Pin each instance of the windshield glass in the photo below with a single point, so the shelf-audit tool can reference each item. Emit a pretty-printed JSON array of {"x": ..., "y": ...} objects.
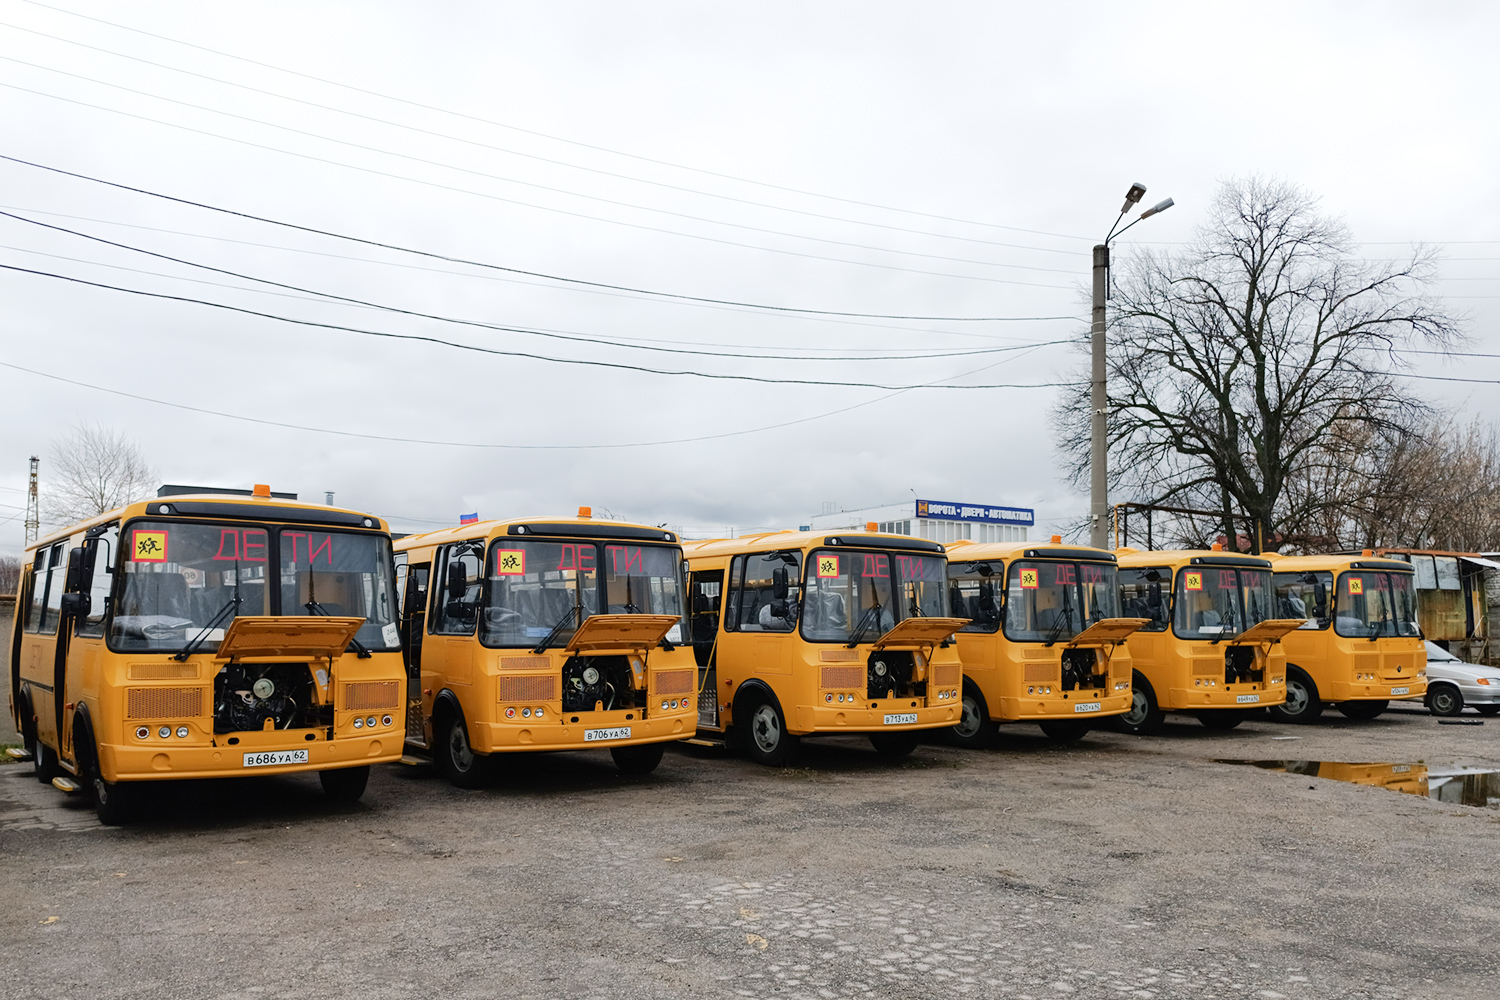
[
  {"x": 923, "y": 594},
  {"x": 1217, "y": 602},
  {"x": 533, "y": 587},
  {"x": 1305, "y": 595},
  {"x": 1371, "y": 604},
  {"x": 974, "y": 593},
  {"x": 847, "y": 592},
  {"x": 1439, "y": 654},
  {"x": 180, "y": 578},
  {"x": 1143, "y": 594},
  {"x": 1054, "y": 601}
]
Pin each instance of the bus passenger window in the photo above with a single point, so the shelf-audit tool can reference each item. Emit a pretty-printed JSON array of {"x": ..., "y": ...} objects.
[
  {"x": 972, "y": 594},
  {"x": 36, "y": 612},
  {"x": 456, "y": 590},
  {"x": 105, "y": 549},
  {"x": 1141, "y": 596},
  {"x": 1304, "y": 595}
]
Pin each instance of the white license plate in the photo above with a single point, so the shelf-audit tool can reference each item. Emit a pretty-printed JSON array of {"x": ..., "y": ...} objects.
[
  {"x": 901, "y": 720},
  {"x": 1400, "y": 690},
  {"x": 598, "y": 735},
  {"x": 1247, "y": 699},
  {"x": 1086, "y": 706},
  {"x": 273, "y": 758}
]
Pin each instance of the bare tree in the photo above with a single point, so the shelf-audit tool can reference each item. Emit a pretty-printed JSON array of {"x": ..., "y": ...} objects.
[
  {"x": 1241, "y": 366},
  {"x": 10, "y": 574},
  {"x": 94, "y": 469}
]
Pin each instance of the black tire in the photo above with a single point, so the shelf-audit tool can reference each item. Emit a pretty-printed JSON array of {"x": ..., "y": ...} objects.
[
  {"x": 641, "y": 758},
  {"x": 1444, "y": 699},
  {"x": 462, "y": 766},
  {"x": 44, "y": 763},
  {"x": 764, "y": 733},
  {"x": 1221, "y": 718},
  {"x": 1303, "y": 706},
  {"x": 114, "y": 802},
  {"x": 1144, "y": 717},
  {"x": 1363, "y": 711},
  {"x": 344, "y": 784},
  {"x": 975, "y": 729},
  {"x": 1487, "y": 709},
  {"x": 897, "y": 744},
  {"x": 1065, "y": 730}
]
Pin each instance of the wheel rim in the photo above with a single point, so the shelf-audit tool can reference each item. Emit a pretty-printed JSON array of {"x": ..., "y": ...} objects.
[
  {"x": 1296, "y": 698},
  {"x": 1139, "y": 708},
  {"x": 101, "y": 792},
  {"x": 969, "y": 725},
  {"x": 1443, "y": 701},
  {"x": 458, "y": 748},
  {"x": 766, "y": 728}
]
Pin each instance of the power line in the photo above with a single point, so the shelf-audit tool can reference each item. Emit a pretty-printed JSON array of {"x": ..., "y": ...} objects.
[
  {"x": 528, "y": 331},
  {"x": 490, "y": 146},
  {"x": 539, "y": 274},
  {"x": 524, "y": 204},
  {"x": 503, "y": 353},
  {"x": 530, "y": 184},
  {"x": 544, "y": 135}
]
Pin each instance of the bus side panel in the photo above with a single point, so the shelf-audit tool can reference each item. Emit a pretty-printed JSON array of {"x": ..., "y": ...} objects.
[
  {"x": 83, "y": 686},
  {"x": 980, "y": 653}
]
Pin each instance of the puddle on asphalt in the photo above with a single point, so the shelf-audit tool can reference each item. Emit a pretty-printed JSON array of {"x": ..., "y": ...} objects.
[{"x": 1462, "y": 786}]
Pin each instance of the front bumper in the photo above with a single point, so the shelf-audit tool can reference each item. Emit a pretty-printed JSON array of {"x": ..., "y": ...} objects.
[
  {"x": 1376, "y": 690},
  {"x": 1055, "y": 706},
  {"x": 165, "y": 762},
  {"x": 1195, "y": 699},
  {"x": 813, "y": 719},
  {"x": 519, "y": 736}
]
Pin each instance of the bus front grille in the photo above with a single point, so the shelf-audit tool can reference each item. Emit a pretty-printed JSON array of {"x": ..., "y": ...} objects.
[
  {"x": 1042, "y": 672},
  {"x": 524, "y": 663},
  {"x": 163, "y": 671},
  {"x": 947, "y": 675},
  {"x": 670, "y": 682},
  {"x": 537, "y": 687},
  {"x": 843, "y": 678},
  {"x": 1207, "y": 666},
  {"x": 163, "y": 703},
  {"x": 362, "y": 695}
]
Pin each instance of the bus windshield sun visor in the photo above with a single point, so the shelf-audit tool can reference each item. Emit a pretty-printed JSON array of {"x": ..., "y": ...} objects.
[
  {"x": 601, "y": 529},
  {"x": 866, "y": 542},
  {"x": 265, "y": 512}
]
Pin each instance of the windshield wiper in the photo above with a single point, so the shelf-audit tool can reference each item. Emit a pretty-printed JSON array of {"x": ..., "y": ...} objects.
[
  {"x": 1380, "y": 629},
  {"x": 562, "y": 623},
  {"x": 314, "y": 608},
  {"x": 873, "y": 611},
  {"x": 1064, "y": 622},
  {"x": 198, "y": 640}
]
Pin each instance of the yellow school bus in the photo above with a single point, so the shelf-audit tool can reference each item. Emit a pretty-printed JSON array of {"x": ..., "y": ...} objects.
[
  {"x": 1046, "y": 643},
  {"x": 208, "y": 636},
  {"x": 545, "y": 633},
  {"x": 799, "y": 633},
  {"x": 1213, "y": 641},
  {"x": 1361, "y": 645}
]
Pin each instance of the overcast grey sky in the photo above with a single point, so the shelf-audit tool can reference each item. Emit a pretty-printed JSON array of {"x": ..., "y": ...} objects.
[{"x": 912, "y": 160}]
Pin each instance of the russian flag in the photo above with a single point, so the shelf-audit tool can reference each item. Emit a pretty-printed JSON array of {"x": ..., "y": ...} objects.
[{"x": 468, "y": 518}]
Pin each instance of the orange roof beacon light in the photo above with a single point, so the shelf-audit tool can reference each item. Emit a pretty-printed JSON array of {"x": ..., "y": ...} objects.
[
  {"x": 1057, "y": 539},
  {"x": 1217, "y": 547},
  {"x": 585, "y": 512},
  {"x": 262, "y": 490},
  {"x": 872, "y": 526}
]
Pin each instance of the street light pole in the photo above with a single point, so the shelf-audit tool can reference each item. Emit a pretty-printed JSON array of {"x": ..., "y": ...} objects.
[
  {"x": 1098, "y": 395},
  {"x": 1098, "y": 452}
]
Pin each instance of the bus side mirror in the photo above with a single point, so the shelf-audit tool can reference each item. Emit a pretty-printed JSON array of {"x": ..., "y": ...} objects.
[
  {"x": 779, "y": 588},
  {"x": 458, "y": 582},
  {"x": 75, "y": 581},
  {"x": 76, "y": 605}
]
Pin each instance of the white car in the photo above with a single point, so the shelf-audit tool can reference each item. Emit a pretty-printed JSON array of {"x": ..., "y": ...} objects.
[{"x": 1452, "y": 684}]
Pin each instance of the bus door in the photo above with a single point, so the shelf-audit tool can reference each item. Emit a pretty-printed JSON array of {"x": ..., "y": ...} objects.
[
  {"x": 88, "y": 589},
  {"x": 40, "y": 648},
  {"x": 705, "y": 593},
  {"x": 413, "y": 620}
]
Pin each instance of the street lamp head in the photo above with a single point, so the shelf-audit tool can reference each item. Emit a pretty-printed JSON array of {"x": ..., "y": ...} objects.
[
  {"x": 1134, "y": 195},
  {"x": 1158, "y": 208}
]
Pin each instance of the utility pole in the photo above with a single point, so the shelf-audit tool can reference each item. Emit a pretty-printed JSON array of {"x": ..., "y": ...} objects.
[
  {"x": 33, "y": 509},
  {"x": 1098, "y": 449}
]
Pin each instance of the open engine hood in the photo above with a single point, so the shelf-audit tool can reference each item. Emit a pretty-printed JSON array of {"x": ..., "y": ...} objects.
[
  {"x": 621, "y": 632},
  {"x": 287, "y": 635}
]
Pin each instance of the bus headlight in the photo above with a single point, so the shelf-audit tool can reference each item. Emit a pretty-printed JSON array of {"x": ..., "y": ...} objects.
[
  {"x": 164, "y": 732},
  {"x": 370, "y": 721},
  {"x": 182, "y": 732},
  {"x": 828, "y": 698},
  {"x": 664, "y": 704},
  {"x": 359, "y": 723}
]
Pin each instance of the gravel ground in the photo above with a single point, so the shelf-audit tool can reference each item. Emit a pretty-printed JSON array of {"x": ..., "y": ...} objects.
[{"x": 1118, "y": 867}]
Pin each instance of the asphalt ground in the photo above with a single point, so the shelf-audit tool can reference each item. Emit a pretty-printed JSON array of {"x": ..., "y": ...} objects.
[{"x": 1117, "y": 867}]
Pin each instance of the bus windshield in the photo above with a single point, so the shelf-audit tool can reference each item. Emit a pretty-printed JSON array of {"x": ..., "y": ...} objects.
[
  {"x": 848, "y": 594},
  {"x": 1219, "y": 602},
  {"x": 1054, "y": 601},
  {"x": 535, "y": 589},
  {"x": 1370, "y": 605},
  {"x": 923, "y": 580},
  {"x": 182, "y": 581},
  {"x": 1305, "y": 595}
]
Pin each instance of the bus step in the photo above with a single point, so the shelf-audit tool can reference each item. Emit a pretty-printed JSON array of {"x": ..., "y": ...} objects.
[
  {"x": 412, "y": 760},
  {"x": 698, "y": 741},
  {"x": 66, "y": 785},
  {"x": 19, "y": 754}
]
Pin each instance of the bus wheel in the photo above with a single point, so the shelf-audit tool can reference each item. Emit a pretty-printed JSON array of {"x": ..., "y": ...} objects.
[
  {"x": 975, "y": 729},
  {"x": 1302, "y": 705},
  {"x": 768, "y": 741},
  {"x": 1364, "y": 710},
  {"x": 1065, "y": 730},
  {"x": 44, "y": 763},
  {"x": 114, "y": 802},
  {"x": 1445, "y": 699},
  {"x": 1222, "y": 718},
  {"x": 344, "y": 784},
  {"x": 460, "y": 763},
  {"x": 898, "y": 744},
  {"x": 639, "y": 759},
  {"x": 1144, "y": 717}
]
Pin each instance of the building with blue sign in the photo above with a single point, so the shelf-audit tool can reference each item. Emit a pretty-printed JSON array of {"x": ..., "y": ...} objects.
[{"x": 938, "y": 520}]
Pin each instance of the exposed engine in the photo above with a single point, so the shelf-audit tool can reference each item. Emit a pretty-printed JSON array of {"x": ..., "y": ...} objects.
[
  {"x": 1083, "y": 669},
  {"x": 889, "y": 675},
  {"x": 1240, "y": 666},
  {"x": 588, "y": 681},
  {"x": 247, "y": 694}
]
